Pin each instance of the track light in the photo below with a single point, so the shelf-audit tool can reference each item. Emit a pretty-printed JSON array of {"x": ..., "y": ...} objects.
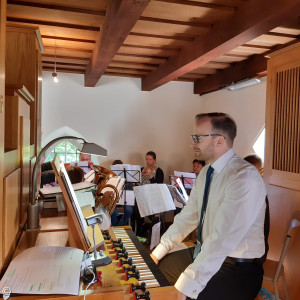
[{"x": 243, "y": 83}]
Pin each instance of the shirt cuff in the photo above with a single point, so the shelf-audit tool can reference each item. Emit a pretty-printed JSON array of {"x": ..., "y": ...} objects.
[
  {"x": 188, "y": 286},
  {"x": 160, "y": 251}
]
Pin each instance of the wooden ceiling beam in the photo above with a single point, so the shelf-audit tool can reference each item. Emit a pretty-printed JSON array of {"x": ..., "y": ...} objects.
[
  {"x": 175, "y": 22},
  {"x": 180, "y": 37},
  {"x": 223, "y": 37},
  {"x": 68, "y": 39},
  {"x": 55, "y": 24},
  {"x": 65, "y": 57},
  {"x": 239, "y": 71},
  {"x": 256, "y": 64},
  {"x": 57, "y": 7},
  {"x": 200, "y": 4},
  {"x": 58, "y": 48},
  {"x": 112, "y": 35},
  {"x": 64, "y": 70}
]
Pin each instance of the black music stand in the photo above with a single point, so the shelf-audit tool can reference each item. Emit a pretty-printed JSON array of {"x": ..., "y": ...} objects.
[{"x": 130, "y": 176}]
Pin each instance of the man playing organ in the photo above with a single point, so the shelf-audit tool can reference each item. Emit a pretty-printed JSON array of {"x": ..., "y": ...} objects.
[{"x": 227, "y": 204}]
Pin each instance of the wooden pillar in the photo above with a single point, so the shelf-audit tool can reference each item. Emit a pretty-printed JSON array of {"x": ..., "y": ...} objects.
[{"x": 2, "y": 95}]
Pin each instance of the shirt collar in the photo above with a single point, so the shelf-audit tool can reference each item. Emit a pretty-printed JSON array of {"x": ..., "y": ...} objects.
[{"x": 220, "y": 163}]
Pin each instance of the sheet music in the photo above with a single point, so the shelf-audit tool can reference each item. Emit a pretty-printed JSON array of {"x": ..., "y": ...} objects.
[
  {"x": 44, "y": 270},
  {"x": 155, "y": 235},
  {"x": 84, "y": 165},
  {"x": 178, "y": 198},
  {"x": 132, "y": 172},
  {"x": 56, "y": 189},
  {"x": 188, "y": 178},
  {"x": 185, "y": 195},
  {"x": 74, "y": 198},
  {"x": 153, "y": 199},
  {"x": 85, "y": 198},
  {"x": 89, "y": 176},
  {"x": 117, "y": 182},
  {"x": 129, "y": 196}
]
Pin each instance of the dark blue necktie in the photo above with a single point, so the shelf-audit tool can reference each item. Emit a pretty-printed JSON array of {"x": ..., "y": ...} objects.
[{"x": 203, "y": 209}]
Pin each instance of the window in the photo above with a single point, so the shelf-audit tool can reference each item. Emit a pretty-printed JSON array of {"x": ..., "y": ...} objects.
[
  {"x": 67, "y": 153},
  {"x": 259, "y": 145}
]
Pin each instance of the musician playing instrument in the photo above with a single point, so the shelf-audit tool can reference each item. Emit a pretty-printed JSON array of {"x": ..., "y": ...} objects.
[
  {"x": 227, "y": 204},
  {"x": 151, "y": 173}
]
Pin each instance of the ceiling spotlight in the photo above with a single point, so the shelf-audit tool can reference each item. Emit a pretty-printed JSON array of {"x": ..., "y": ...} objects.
[
  {"x": 54, "y": 75},
  {"x": 243, "y": 83}
]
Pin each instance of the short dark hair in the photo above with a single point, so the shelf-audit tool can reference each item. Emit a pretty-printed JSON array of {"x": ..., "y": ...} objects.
[
  {"x": 76, "y": 174},
  {"x": 152, "y": 154},
  {"x": 254, "y": 160},
  {"x": 221, "y": 123},
  {"x": 201, "y": 162},
  {"x": 117, "y": 162}
]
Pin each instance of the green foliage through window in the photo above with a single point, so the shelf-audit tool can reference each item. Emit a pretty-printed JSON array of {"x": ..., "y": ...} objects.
[{"x": 67, "y": 153}]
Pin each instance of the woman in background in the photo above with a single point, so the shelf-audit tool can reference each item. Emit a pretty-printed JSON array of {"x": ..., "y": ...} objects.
[{"x": 151, "y": 173}]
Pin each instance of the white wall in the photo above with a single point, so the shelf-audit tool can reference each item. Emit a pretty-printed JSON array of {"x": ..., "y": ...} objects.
[
  {"x": 247, "y": 107},
  {"x": 117, "y": 115}
]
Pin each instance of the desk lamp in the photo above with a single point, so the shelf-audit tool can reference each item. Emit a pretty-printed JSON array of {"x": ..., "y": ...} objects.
[{"x": 33, "y": 218}]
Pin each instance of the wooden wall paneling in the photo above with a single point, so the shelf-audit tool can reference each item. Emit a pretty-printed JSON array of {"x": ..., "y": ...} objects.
[
  {"x": 25, "y": 167},
  {"x": 2, "y": 104},
  {"x": 284, "y": 206},
  {"x": 281, "y": 171},
  {"x": 38, "y": 102},
  {"x": 11, "y": 123},
  {"x": 11, "y": 213},
  {"x": 21, "y": 44},
  {"x": 21, "y": 64}
]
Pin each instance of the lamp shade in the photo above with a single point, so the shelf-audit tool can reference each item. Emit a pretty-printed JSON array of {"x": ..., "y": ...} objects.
[{"x": 91, "y": 148}]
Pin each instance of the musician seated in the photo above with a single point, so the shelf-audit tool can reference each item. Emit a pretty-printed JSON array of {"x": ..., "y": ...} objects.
[
  {"x": 76, "y": 174},
  {"x": 197, "y": 166},
  {"x": 47, "y": 175},
  {"x": 151, "y": 173}
]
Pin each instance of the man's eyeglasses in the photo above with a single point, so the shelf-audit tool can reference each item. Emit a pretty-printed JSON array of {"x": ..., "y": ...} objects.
[{"x": 196, "y": 138}]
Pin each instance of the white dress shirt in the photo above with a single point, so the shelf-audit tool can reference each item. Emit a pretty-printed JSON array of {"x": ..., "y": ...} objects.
[{"x": 233, "y": 224}]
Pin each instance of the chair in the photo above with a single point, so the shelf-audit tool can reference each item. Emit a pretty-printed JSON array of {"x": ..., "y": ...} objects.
[{"x": 273, "y": 270}]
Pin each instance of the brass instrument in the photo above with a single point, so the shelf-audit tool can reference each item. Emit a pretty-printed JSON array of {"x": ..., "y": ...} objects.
[{"x": 102, "y": 175}]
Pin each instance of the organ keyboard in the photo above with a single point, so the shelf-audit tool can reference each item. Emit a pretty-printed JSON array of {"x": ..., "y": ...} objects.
[{"x": 149, "y": 272}]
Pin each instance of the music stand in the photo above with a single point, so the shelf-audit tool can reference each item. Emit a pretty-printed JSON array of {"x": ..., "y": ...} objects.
[
  {"x": 80, "y": 236},
  {"x": 130, "y": 176}
]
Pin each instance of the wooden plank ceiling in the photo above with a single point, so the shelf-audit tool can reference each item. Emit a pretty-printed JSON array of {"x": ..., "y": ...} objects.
[{"x": 209, "y": 42}]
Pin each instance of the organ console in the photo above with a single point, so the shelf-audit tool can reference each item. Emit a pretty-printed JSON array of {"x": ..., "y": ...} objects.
[
  {"x": 134, "y": 277},
  {"x": 132, "y": 273}
]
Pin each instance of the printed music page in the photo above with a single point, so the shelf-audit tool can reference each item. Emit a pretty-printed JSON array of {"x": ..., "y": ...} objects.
[
  {"x": 44, "y": 270},
  {"x": 155, "y": 236},
  {"x": 153, "y": 199}
]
